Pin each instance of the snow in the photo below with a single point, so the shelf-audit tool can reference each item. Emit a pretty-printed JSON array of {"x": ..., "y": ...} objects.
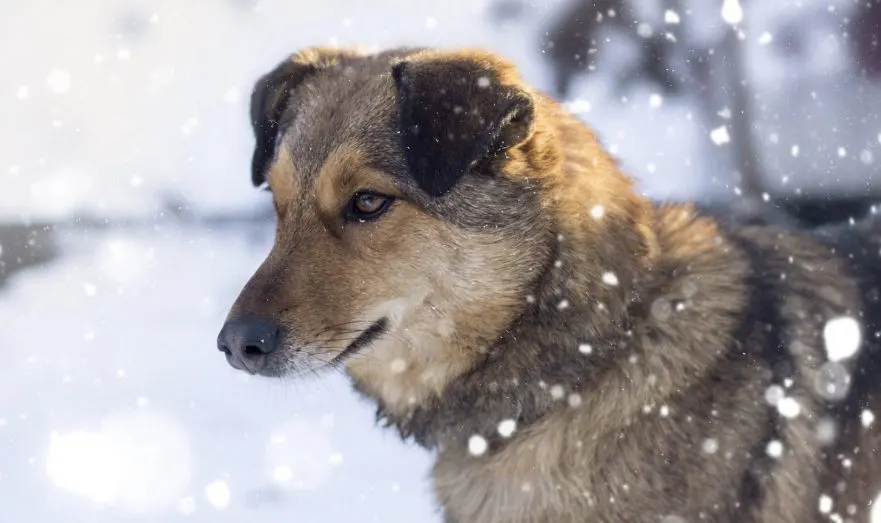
[
  {"x": 842, "y": 337},
  {"x": 867, "y": 418},
  {"x": 789, "y": 407},
  {"x": 825, "y": 504},
  {"x": 720, "y": 135},
  {"x": 609, "y": 278},
  {"x": 774, "y": 449},
  {"x": 710, "y": 446},
  {"x": 507, "y": 427},
  {"x": 477, "y": 445},
  {"x": 585, "y": 348},
  {"x": 119, "y": 406},
  {"x": 597, "y": 212},
  {"x": 732, "y": 12},
  {"x": 875, "y": 514}
]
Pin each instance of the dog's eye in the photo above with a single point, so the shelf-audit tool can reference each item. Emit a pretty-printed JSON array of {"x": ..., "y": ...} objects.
[{"x": 366, "y": 205}]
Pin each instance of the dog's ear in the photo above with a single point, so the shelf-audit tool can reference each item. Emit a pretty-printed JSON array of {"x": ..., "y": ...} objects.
[
  {"x": 456, "y": 113},
  {"x": 268, "y": 100},
  {"x": 270, "y": 96}
]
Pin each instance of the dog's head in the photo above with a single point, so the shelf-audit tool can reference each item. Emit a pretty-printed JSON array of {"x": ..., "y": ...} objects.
[{"x": 411, "y": 222}]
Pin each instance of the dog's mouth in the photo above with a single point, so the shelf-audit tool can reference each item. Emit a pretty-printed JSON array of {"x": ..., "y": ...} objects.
[{"x": 368, "y": 336}]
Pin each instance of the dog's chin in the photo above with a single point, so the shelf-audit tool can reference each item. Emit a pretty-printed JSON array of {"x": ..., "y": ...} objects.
[{"x": 291, "y": 361}]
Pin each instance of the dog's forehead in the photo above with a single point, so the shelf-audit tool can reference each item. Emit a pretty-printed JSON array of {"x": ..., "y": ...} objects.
[{"x": 351, "y": 105}]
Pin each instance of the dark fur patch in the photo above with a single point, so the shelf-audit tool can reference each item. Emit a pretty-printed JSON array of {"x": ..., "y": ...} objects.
[
  {"x": 268, "y": 101},
  {"x": 453, "y": 115}
]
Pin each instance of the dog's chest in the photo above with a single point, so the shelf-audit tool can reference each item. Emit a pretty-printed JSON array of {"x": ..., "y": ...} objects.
[{"x": 523, "y": 482}]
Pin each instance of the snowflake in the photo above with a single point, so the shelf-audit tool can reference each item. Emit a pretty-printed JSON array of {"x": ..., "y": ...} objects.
[
  {"x": 732, "y": 12},
  {"x": 671, "y": 17},
  {"x": 483, "y": 82},
  {"x": 825, "y": 504},
  {"x": 766, "y": 38},
  {"x": 655, "y": 100},
  {"x": 774, "y": 449},
  {"x": 774, "y": 394},
  {"x": 609, "y": 278},
  {"x": 398, "y": 365},
  {"x": 867, "y": 418},
  {"x": 710, "y": 446},
  {"x": 574, "y": 400},
  {"x": 842, "y": 338},
  {"x": 597, "y": 212},
  {"x": 477, "y": 445},
  {"x": 875, "y": 515},
  {"x": 585, "y": 348},
  {"x": 557, "y": 392},
  {"x": 789, "y": 408},
  {"x": 720, "y": 135},
  {"x": 507, "y": 427},
  {"x": 794, "y": 151}
]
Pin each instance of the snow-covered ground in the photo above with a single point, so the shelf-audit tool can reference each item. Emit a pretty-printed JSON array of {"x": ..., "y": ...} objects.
[{"x": 114, "y": 400}]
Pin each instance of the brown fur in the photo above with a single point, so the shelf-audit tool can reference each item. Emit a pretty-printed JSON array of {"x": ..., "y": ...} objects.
[{"x": 492, "y": 273}]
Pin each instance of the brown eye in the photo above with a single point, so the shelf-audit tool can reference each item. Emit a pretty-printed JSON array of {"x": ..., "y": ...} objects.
[{"x": 366, "y": 205}]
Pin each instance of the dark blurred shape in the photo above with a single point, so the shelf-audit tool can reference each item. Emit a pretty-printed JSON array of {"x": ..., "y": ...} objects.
[
  {"x": 866, "y": 34},
  {"x": 505, "y": 10},
  {"x": 23, "y": 246},
  {"x": 572, "y": 45},
  {"x": 655, "y": 66}
]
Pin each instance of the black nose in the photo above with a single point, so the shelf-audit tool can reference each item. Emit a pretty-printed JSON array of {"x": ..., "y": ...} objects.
[{"x": 247, "y": 341}]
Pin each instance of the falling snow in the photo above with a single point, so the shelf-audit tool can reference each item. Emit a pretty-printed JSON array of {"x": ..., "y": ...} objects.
[
  {"x": 842, "y": 337},
  {"x": 585, "y": 348},
  {"x": 609, "y": 278},
  {"x": 671, "y": 17},
  {"x": 732, "y": 12},
  {"x": 774, "y": 449},
  {"x": 710, "y": 446},
  {"x": 825, "y": 504},
  {"x": 789, "y": 407},
  {"x": 597, "y": 212},
  {"x": 507, "y": 427},
  {"x": 477, "y": 445},
  {"x": 720, "y": 135}
]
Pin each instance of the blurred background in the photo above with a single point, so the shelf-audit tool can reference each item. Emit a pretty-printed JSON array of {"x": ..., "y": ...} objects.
[{"x": 128, "y": 223}]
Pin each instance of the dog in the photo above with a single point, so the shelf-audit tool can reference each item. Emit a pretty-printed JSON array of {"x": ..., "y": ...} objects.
[{"x": 482, "y": 269}]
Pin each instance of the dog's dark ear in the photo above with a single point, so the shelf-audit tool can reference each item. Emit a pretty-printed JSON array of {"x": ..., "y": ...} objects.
[
  {"x": 268, "y": 100},
  {"x": 454, "y": 114},
  {"x": 273, "y": 90}
]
